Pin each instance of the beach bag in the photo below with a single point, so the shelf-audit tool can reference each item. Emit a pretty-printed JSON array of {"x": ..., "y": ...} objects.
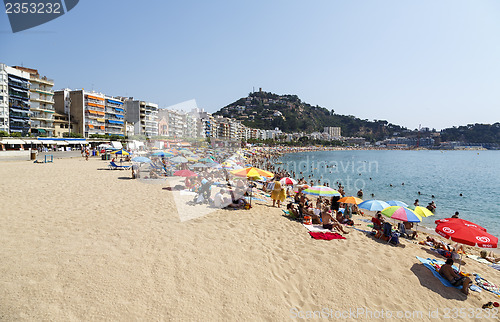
[{"x": 307, "y": 220}]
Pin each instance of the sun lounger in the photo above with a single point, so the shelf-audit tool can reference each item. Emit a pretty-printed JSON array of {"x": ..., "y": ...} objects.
[{"x": 113, "y": 166}]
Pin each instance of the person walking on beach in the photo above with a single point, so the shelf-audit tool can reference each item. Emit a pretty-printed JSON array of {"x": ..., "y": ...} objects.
[{"x": 278, "y": 194}]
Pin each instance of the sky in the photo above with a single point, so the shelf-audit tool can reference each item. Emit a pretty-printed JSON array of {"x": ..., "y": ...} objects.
[{"x": 426, "y": 62}]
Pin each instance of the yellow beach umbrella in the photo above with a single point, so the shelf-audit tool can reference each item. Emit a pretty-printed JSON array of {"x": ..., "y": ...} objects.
[{"x": 423, "y": 212}]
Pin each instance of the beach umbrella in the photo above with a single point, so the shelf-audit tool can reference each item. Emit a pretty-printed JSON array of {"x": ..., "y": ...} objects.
[
  {"x": 466, "y": 232},
  {"x": 423, "y": 212},
  {"x": 191, "y": 159},
  {"x": 321, "y": 191},
  {"x": 207, "y": 160},
  {"x": 351, "y": 200},
  {"x": 252, "y": 172},
  {"x": 397, "y": 203},
  {"x": 121, "y": 152},
  {"x": 141, "y": 159},
  {"x": 199, "y": 165},
  {"x": 185, "y": 173},
  {"x": 179, "y": 159},
  {"x": 459, "y": 221},
  {"x": 162, "y": 154},
  {"x": 401, "y": 213},
  {"x": 288, "y": 181},
  {"x": 374, "y": 205}
]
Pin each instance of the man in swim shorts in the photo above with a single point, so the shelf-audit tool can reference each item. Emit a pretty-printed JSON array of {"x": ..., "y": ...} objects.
[{"x": 456, "y": 280}]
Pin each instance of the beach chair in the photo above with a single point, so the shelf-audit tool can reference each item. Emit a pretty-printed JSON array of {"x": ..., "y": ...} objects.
[
  {"x": 402, "y": 231},
  {"x": 393, "y": 236},
  {"x": 113, "y": 166}
]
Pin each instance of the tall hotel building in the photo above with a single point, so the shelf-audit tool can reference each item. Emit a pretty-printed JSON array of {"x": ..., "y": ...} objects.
[
  {"x": 14, "y": 100},
  {"x": 91, "y": 113}
]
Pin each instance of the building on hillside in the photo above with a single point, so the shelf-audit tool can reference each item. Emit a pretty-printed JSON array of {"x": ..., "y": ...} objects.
[
  {"x": 41, "y": 103},
  {"x": 333, "y": 132}
]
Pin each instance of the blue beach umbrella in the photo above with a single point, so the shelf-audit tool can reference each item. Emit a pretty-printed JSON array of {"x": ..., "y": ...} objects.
[
  {"x": 141, "y": 160},
  {"x": 397, "y": 203},
  {"x": 162, "y": 154},
  {"x": 374, "y": 205}
]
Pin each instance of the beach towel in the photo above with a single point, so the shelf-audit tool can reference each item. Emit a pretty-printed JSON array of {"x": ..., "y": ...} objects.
[
  {"x": 432, "y": 265},
  {"x": 496, "y": 266},
  {"x": 482, "y": 282},
  {"x": 325, "y": 236},
  {"x": 363, "y": 231},
  {"x": 366, "y": 220},
  {"x": 317, "y": 228},
  {"x": 478, "y": 259}
]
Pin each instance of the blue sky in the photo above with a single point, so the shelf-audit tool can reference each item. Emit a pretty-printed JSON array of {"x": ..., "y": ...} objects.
[{"x": 428, "y": 62}]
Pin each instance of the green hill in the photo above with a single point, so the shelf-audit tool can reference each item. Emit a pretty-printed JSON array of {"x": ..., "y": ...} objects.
[{"x": 266, "y": 110}]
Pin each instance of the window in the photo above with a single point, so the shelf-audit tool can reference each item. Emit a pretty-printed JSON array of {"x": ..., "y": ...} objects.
[{"x": 61, "y": 126}]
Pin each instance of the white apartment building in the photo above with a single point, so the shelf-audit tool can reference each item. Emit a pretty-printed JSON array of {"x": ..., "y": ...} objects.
[{"x": 41, "y": 102}]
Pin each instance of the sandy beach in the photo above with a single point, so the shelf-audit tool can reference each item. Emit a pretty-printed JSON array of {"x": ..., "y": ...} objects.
[{"x": 80, "y": 242}]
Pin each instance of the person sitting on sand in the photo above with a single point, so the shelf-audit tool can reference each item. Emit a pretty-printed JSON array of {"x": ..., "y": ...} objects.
[
  {"x": 448, "y": 272},
  {"x": 377, "y": 221},
  {"x": 409, "y": 229},
  {"x": 489, "y": 257},
  {"x": 292, "y": 210},
  {"x": 329, "y": 222},
  {"x": 219, "y": 199}
]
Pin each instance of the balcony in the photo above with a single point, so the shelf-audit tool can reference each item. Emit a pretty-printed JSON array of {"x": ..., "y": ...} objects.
[
  {"x": 42, "y": 91},
  {"x": 42, "y": 100},
  {"x": 42, "y": 118},
  {"x": 43, "y": 80}
]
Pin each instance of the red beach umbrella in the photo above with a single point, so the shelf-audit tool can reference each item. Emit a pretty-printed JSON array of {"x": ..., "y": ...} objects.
[
  {"x": 459, "y": 221},
  {"x": 185, "y": 173},
  {"x": 467, "y": 234}
]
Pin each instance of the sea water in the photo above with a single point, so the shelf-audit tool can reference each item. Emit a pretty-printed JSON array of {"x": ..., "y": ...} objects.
[{"x": 401, "y": 175}]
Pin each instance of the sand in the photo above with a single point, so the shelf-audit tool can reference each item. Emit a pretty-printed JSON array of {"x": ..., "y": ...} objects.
[{"x": 79, "y": 242}]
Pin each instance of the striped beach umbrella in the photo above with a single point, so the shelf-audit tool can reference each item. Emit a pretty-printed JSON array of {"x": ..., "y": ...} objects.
[
  {"x": 252, "y": 172},
  {"x": 120, "y": 152},
  {"x": 321, "y": 191},
  {"x": 288, "y": 181},
  {"x": 401, "y": 213}
]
